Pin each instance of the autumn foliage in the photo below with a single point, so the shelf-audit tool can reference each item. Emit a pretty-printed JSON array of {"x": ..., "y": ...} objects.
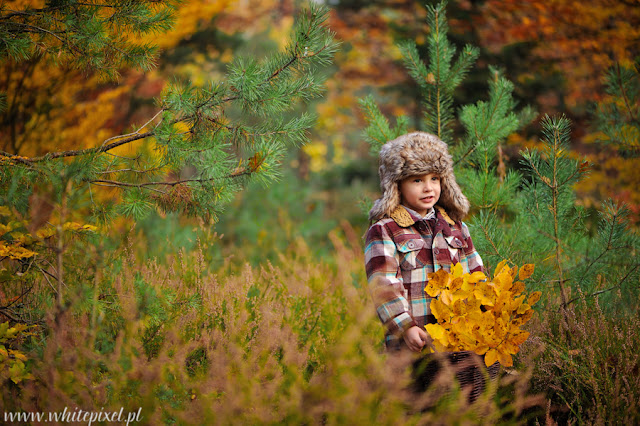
[{"x": 475, "y": 314}]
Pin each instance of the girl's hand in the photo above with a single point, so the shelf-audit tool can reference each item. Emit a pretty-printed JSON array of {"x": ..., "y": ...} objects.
[{"x": 415, "y": 338}]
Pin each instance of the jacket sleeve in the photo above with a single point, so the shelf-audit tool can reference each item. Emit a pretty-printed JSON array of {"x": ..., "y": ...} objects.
[
  {"x": 471, "y": 260},
  {"x": 385, "y": 280}
]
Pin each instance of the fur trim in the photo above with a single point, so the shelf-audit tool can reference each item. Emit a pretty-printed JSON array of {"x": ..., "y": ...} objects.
[
  {"x": 445, "y": 216},
  {"x": 402, "y": 217},
  {"x": 416, "y": 154}
]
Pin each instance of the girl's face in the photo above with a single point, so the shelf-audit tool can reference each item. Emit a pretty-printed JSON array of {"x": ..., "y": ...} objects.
[{"x": 420, "y": 192}]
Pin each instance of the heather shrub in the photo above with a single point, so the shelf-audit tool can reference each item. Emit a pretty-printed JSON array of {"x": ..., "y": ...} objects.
[
  {"x": 290, "y": 342},
  {"x": 588, "y": 363}
]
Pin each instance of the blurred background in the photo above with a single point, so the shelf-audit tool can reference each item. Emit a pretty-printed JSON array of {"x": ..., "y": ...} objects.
[{"x": 555, "y": 52}]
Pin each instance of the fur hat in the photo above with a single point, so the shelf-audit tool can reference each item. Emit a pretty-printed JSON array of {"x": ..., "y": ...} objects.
[{"x": 412, "y": 154}]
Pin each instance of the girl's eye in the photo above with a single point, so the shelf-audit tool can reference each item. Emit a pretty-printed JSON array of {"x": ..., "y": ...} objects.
[{"x": 417, "y": 180}]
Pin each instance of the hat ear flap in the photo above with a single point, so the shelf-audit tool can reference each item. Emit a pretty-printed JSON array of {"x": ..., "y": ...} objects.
[
  {"x": 391, "y": 197},
  {"x": 452, "y": 198},
  {"x": 383, "y": 207}
]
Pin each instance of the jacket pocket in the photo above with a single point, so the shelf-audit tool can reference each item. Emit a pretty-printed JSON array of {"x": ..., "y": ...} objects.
[
  {"x": 454, "y": 244},
  {"x": 409, "y": 253}
]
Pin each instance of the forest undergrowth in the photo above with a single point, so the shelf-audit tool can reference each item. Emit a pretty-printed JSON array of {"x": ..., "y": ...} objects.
[{"x": 295, "y": 341}]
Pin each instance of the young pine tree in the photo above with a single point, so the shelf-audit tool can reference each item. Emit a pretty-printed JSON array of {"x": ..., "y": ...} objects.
[{"x": 474, "y": 132}]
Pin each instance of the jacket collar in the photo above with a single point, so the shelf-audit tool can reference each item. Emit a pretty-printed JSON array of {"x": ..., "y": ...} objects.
[{"x": 406, "y": 218}]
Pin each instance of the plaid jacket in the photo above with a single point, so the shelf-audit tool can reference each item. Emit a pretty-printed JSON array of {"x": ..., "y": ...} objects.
[{"x": 399, "y": 253}]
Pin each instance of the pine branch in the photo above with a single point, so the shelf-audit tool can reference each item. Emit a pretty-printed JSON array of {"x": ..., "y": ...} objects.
[
  {"x": 191, "y": 130},
  {"x": 245, "y": 172},
  {"x": 617, "y": 286},
  {"x": 132, "y": 137},
  {"x": 623, "y": 92}
]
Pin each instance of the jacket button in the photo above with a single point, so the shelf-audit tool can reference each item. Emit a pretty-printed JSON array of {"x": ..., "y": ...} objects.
[
  {"x": 411, "y": 245},
  {"x": 436, "y": 251}
]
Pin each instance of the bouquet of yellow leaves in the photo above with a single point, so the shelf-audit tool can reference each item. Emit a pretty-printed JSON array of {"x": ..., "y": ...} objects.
[{"x": 481, "y": 315}]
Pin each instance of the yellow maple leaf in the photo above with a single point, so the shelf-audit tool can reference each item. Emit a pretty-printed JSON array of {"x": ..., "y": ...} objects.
[
  {"x": 513, "y": 271},
  {"x": 476, "y": 276},
  {"x": 517, "y": 287},
  {"x": 526, "y": 316},
  {"x": 458, "y": 308},
  {"x": 515, "y": 304},
  {"x": 481, "y": 349},
  {"x": 440, "y": 310},
  {"x": 485, "y": 293},
  {"x": 509, "y": 347},
  {"x": 479, "y": 314},
  {"x": 522, "y": 309},
  {"x": 520, "y": 338},
  {"x": 456, "y": 284},
  {"x": 437, "y": 333},
  {"x": 504, "y": 358},
  {"x": 503, "y": 280},
  {"x": 446, "y": 297}
]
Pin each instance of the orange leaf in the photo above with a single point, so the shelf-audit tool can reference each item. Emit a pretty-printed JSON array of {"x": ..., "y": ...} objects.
[
  {"x": 526, "y": 271},
  {"x": 535, "y": 296}
]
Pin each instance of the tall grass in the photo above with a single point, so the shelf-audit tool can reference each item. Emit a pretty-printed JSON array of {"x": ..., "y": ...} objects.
[{"x": 290, "y": 342}]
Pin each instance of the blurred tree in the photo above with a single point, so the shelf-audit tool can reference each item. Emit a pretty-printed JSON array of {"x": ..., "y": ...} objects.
[
  {"x": 192, "y": 130},
  {"x": 615, "y": 141},
  {"x": 557, "y": 52},
  {"x": 370, "y": 62},
  {"x": 579, "y": 39}
]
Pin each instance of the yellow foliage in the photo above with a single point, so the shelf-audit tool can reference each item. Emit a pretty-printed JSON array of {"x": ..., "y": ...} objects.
[
  {"x": 12, "y": 361},
  {"x": 525, "y": 271},
  {"x": 317, "y": 152},
  {"x": 73, "y": 226},
  {"x": 15, "y": 251},
  {"x": 481, "y": 315},
  {"x": 190, "y": 17},
  {"x": 18, "y": 243}
]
